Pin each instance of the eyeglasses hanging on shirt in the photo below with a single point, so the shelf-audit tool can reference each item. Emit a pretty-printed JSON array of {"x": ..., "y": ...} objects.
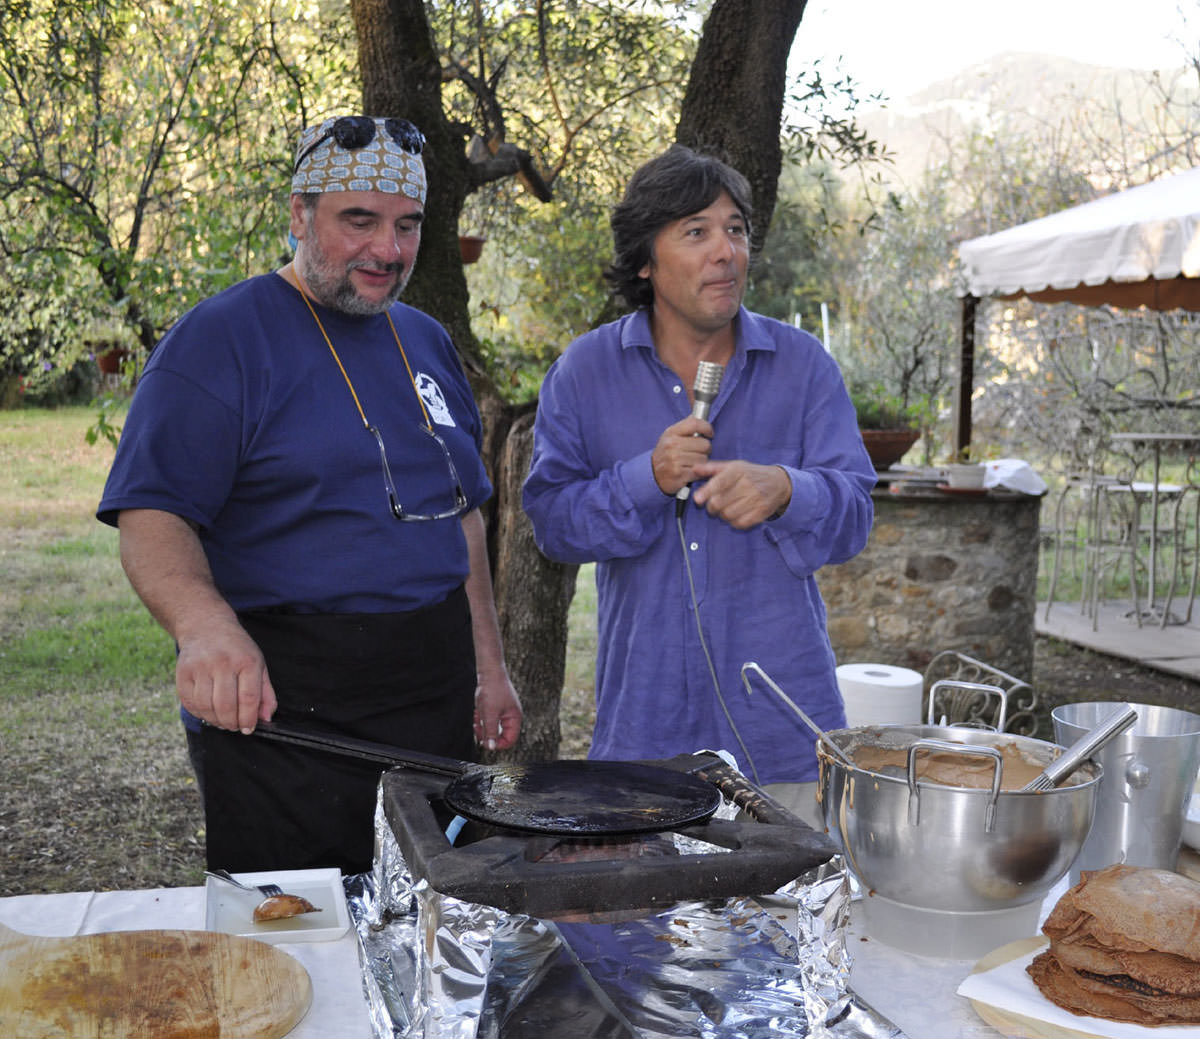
[{"x": 393, "y": 497}]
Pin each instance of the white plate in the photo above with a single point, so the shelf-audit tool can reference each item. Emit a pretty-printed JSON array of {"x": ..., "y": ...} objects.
[
  {"x": 231, "y": 910},
  {"x": 1191, "y": 825}
]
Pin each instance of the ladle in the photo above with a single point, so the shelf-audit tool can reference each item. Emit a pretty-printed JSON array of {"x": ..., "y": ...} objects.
[{"x": 820, "y": 733}]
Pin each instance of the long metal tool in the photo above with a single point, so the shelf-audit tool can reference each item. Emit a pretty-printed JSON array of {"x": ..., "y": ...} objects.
[
  {"x": 567, "y": 797},
  {"x": 820, "y": 733}
]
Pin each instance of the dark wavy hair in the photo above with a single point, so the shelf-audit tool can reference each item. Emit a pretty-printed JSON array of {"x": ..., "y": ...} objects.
[{"x": 677, "y": 183}]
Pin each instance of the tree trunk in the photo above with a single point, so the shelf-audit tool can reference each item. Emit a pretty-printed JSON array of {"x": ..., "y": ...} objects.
[
  {"x": 401, "y": 77},
  {"x": 536, "y": 594},
  {"x": 734, "y": 98}
]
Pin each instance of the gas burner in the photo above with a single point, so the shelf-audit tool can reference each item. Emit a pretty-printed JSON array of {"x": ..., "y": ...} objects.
[{"x": 549, "y": 876}]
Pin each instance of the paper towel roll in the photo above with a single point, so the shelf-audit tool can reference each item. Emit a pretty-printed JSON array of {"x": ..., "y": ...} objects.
[{"x": 879, "y": 694}]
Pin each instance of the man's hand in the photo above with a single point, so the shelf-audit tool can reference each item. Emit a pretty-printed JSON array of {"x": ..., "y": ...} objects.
[
  {"x": 743, "y": 494},
  {"x": 220, "y": 674},
  {"x": 221, "y": 677},
  {"x": 497, "y": 713},
  {"x": 680, "y": 449}
]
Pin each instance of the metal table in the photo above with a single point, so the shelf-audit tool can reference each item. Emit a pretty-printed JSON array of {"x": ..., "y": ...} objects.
[{"x": 1156, "y": 442}]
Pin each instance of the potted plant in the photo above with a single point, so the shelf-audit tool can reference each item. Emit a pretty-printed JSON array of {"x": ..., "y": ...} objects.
[
  {"x": 470, "y": 247},
  {"x": 888, "y": 425}
]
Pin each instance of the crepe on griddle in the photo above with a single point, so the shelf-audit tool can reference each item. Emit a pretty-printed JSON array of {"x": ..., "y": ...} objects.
[{"x": 1125, "y": 946}]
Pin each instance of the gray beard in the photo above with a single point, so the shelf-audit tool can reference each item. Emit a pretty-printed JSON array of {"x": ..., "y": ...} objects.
[{"x": 335, "y": 290}]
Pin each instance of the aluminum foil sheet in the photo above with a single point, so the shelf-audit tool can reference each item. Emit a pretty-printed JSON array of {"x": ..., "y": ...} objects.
[{"x": 746, "y": 968}]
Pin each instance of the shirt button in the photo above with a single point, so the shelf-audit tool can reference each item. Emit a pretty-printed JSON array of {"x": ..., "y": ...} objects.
[
  {"x": 678, "y": 388},
  {"x": 694, "y": 546}
]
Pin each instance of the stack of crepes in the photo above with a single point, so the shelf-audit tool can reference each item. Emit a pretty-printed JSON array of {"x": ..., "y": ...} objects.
[{"x": 1125, "y": 946}]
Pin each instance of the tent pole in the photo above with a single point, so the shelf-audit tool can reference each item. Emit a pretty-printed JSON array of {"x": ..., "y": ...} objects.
[{"x": 966, "y": 379}]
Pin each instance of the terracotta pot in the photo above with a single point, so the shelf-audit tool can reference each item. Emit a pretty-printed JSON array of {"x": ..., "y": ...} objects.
[
  {"x": 109, "y": 362},
  {"x": 470, "y": 247},
  {"x": 888, "y": 446}
]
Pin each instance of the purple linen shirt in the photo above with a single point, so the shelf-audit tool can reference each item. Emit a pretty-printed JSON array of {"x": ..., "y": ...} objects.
[{"x": 591, "y": 495}]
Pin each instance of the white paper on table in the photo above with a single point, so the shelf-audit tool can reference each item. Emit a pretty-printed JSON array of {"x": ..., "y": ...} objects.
[
  {"x": 1010, "y": 989},
  {"x": 1015, "y": 474},
  {"x": 59, "y": 917},
  {"x": 155, "y": 909}
]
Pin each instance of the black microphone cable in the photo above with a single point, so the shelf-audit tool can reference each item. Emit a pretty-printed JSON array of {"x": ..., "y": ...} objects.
[
  {"x": 704, "y": 392},
  {"x": 712, "y": 670}
]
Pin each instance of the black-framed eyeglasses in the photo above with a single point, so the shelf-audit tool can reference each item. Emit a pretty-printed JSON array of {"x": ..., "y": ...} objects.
[
  {"x": 398, "y": 510},
  {"x": 352, "y": 132}
]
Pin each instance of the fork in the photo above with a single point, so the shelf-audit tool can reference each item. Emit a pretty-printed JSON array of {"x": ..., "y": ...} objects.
[
  {"x": 268, "y": 890},
  {"x": 1081, "y": 749}
]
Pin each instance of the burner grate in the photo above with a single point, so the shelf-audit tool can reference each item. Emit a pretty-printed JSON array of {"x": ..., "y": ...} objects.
[{"x": 550, "y": 877}]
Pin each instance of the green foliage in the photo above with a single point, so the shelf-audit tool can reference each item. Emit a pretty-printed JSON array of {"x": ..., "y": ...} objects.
[
  {"x": 103, "y": 427},
  {"x": 143, "y": 160},
  {"x": 590, "y": 88},
  {"x": 40, "y": 330},
  {"x": 791, "y": 276},
  {"x": 531, "y": 304},
  {"x": 897, "y": 310},
  {"x": 876, "y": 408}
]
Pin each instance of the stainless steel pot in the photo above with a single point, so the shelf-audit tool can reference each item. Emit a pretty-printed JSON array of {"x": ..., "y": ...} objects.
[{"x": 950, "y": 848}]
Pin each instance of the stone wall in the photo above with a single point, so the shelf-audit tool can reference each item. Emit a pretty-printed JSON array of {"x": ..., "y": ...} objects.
[{"x": 940, "y": 571}]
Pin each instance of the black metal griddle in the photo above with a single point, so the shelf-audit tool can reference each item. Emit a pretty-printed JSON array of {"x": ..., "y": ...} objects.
[{"x": 591, "y": 837}]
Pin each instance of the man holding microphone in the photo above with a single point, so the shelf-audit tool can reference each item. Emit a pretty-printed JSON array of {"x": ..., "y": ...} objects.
[{"x": 772, "y": 463}]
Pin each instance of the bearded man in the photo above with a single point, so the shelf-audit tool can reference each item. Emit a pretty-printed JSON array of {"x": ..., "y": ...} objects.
[{"x": 297, "y": 490}]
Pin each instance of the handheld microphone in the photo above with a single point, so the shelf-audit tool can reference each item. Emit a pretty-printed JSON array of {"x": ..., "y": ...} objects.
[{"x": 704, "y": 392}]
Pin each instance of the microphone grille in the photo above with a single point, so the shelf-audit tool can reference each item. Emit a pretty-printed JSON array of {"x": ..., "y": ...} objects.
[{"x": 708, "y": 380}]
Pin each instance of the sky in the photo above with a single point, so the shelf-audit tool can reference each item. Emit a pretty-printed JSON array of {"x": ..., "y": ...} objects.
[{"x": 900, "y": 46}]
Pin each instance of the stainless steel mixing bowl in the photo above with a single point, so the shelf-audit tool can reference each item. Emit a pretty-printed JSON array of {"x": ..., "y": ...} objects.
[{"x": 953, "y": 848}]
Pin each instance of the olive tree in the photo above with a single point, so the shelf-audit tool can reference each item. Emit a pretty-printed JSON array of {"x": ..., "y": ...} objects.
[{"x": 143, "y": 155}]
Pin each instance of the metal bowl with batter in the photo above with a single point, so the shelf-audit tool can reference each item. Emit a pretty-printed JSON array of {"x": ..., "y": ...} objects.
[{"x": 933, "y": 817}]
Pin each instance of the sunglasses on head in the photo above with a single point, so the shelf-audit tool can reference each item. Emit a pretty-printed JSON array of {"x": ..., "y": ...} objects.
[{"x": 352, "y": 132}]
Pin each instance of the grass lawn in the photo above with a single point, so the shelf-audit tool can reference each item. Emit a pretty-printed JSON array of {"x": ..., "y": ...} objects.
[{"x": 97, "y": 791}]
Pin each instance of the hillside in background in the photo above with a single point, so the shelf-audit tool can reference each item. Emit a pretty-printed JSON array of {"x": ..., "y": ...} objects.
[{"x": 1019, "y": 93}]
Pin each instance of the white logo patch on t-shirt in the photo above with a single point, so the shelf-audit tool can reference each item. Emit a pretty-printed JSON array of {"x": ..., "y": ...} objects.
[{"x": 435, "y": 401}]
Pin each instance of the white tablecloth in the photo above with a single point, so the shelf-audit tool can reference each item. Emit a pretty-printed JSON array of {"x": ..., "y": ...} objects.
[
  {"x": 916, "y": 993},
  {"x": 338, "y": 1010}
]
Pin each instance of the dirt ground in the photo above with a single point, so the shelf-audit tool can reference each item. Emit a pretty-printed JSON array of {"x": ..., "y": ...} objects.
[
  {"x": 129, "y": 817},
  {"x": 1065, "y": 673}
]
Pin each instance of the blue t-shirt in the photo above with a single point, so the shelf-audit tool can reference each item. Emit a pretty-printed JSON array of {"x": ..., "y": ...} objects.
[
  {"x": 243, "y": 424},
  {"x": 591, "y": 495}
]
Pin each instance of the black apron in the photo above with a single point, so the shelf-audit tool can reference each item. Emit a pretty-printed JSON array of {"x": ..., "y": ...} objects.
[{"x": 404, "y": 679}]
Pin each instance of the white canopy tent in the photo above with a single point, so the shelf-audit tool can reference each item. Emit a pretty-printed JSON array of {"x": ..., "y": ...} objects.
[{"x": 1137, "y": 248}]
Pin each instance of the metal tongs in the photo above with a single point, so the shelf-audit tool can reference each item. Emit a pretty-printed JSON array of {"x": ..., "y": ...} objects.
[{"x": 1083, "y": 748}]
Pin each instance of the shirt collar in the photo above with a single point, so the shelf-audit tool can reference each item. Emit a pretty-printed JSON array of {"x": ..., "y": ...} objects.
[{"x": 752, "y": 333}]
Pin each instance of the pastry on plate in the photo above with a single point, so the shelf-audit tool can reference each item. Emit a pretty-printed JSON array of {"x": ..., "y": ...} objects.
[{"x": 1125, "y": 946}]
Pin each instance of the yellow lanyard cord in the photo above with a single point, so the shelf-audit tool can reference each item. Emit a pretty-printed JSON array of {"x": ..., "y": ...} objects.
[{"x": 342, "y": 367}]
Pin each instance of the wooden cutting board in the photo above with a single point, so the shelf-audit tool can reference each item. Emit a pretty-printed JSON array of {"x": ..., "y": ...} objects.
[{"x": 148, "y": 985}]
